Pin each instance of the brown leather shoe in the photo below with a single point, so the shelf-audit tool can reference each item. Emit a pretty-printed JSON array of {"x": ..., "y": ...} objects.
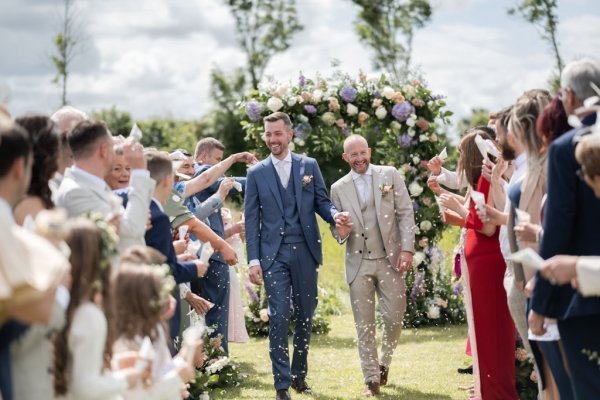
[
  {"x": 372, "y": 389},
  {"x": 383, "y": 375},
  {"x": 300, "y": 386}
]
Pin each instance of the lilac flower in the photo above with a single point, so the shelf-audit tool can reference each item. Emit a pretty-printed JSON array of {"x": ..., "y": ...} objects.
[
  {"x": 348, "y": 94},
  {"x": 345, "y": 131},
  {"x": 253, "y": 110},
  {"x": 301, "y": 80},
  {"x": 457, "y": 289},
  {"x": 251, "y": 292},
  {"x": 404, "y": 140},
  {"x": 309, "y": 108},
  {"x": 402, "y": 111},
  {"x": 415, "y": 206},
  {"x": 377, "y": 94},
  {"x": 437, "y": 97},
  {"x": 416, "y": 289},
  {"x": 302, "y": 130}
]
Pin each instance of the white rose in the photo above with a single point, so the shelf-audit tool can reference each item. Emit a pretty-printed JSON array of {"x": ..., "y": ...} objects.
[
  {"x": 409, "y": 90},
  {"x": 274, "y": 104},
  {"x": 381, "y": 112},
  {"x": 291, "y": 102},
  {"x": 423, "y": 138},
  {"x": 264, "y": 315},
  {"x": 302, "y": 118},
  {"x": 352, "y": 109},
  {"x": 418, "y": 258},
  {"x": 388, "y": 92},
  {"x": 395, "y": 125},
  {"x": 433, "y": 312},
  {"x": 317, "y": 95},
  {"x": 411, "y": 132},
  {"x": 410, "y": 121},
  {"x": 416, "y": 160},
  {"x": 425, "y": 225},
  {"x": 291, "y": 146},
  {"x": 282, "y": 90},
  {"x": 328, "y": 118},
  {"x": 299, "y": 142},
  {"x": 415, "y": 189}
]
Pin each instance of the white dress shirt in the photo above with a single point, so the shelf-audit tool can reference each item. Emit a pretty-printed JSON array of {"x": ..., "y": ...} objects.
[
  {"x": 283, "y": 168},
  {"x": 364, "y": 184}
]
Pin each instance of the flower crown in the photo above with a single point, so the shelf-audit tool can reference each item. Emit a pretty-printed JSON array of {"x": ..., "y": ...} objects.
[
  {"x": 109, "y": 239},
  {"x": 156, "y": 305}
]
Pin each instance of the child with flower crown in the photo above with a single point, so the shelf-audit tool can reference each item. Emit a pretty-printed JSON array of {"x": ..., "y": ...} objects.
[
  {"x": 141, "y": 295},
  {"x": 83, "y": 347}
]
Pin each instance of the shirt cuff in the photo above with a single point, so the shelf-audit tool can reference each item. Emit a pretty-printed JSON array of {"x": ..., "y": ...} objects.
[
  {"x": 140, "y": 172},
  {"x": 184, "y": 289},
  {"x": 254, "y": 263}
]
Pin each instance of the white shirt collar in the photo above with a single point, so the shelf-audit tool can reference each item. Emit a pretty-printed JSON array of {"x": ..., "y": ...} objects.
[
  {"x": 160, "y": 207},
  {"x": 94, "y": 180},
  {"x": 7, "y": 210},
  {"x": 369, "y": 171},
  {"x": 520, "y": 161},
  {"x": 287, "y": 158}
]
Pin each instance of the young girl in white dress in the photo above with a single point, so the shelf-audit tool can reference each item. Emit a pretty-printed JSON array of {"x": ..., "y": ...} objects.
[
  {"x": 83, "y": 347},
  {"x": 141, "y": 296}
]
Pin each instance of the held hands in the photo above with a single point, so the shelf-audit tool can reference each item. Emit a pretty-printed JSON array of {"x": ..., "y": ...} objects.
[
  {"x": 343, "y": 224},
  {"x": 404, "y": 261},
  {"x": 255, "y": 274}
]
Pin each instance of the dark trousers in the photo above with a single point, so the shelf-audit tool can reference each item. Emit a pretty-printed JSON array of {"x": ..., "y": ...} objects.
[
  {"x": 291, "y": 279},
  {"x": 214, "y": 287},
  {"x": 581, "y": 338}
]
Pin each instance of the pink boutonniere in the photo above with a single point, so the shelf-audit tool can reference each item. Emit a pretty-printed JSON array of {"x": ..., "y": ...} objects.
[
  {"x": 306, "y": 180},
  {"x": 385, "y": 189}
]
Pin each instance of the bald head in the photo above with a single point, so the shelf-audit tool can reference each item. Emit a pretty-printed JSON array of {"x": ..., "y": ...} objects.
[
  {"x": 67, "y": 117},
  {"x": 350, "y": 140}
]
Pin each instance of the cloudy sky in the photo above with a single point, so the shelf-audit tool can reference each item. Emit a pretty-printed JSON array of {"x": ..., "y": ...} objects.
[{"x": 153, "y": 57}]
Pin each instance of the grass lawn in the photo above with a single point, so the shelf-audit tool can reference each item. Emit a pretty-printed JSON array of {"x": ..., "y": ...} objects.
[{"x": 424, "y": 364}]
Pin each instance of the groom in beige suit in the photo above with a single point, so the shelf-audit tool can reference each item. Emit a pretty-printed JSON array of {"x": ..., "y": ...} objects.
[{"x": 379, "y": 249}]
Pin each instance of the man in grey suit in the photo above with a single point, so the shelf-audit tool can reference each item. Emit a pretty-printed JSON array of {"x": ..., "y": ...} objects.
[
  {"x": 379, "y": 249},
  {"x": 83, "y": 189}
]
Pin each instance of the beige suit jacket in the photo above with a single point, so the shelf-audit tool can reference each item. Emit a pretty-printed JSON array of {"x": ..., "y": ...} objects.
[{"x": 395, "y": 216}]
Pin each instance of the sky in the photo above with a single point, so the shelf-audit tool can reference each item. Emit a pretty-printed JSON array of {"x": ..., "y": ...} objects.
[{"x": 153, "y": 58}]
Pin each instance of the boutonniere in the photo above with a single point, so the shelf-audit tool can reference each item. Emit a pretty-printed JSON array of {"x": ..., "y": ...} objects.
[
  {"x": 306, "y": 180},
  {"x": 385, "y": 189}
]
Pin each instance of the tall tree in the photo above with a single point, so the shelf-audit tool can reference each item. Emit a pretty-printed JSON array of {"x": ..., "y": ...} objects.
[
  {"x": 543, "y": 15},
  {"x": 264, "y": 28},
  {"x": 68, "y": 42},
  {"x": 388, "y": 28}
]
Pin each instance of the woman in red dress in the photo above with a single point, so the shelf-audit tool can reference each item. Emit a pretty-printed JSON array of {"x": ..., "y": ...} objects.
[{"x": 494, "y": 328}]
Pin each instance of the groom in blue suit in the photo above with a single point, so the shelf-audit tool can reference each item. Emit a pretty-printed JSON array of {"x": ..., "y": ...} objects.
[{"x": 283, "y": 243}]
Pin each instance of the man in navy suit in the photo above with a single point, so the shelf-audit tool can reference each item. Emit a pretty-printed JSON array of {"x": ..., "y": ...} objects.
[
  {"x": 215, "y": 285},
  {"x": 283, "y": 243},
  {"x": 571, "y": 217},
  {"x": 160, "y": 237}
]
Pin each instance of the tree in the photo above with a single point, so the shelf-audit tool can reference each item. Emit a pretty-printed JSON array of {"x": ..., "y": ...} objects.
[
  {"x": 388, "y": 28},
  {"x": 542, "y": 14},
  {"x": 68, "y": 43},
  {"x": 264, "y": 28}
]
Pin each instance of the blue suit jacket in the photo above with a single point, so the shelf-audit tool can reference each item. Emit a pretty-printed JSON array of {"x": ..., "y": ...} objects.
[
  {"x": 160, "y": 238},
  {"x": 215, "y": 220},
  {"x": 571, "y": 218},
  {"x": 264, "y": 214}
]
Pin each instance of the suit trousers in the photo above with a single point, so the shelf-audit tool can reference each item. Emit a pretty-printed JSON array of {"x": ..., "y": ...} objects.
[
  {"x": 214, "y": 287},
  {"x": 290, "y": 280},
  {"x": 377, "y": 277}
]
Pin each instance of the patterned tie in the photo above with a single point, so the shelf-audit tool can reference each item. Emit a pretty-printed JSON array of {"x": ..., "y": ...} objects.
[{"x": 365, "y": 195}]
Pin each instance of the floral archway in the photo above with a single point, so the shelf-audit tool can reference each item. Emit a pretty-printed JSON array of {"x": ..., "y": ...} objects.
[{"x": 404, "y": 125}]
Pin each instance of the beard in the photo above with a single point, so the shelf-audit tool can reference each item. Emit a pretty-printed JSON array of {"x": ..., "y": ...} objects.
[{"x": 508, "y": 152}]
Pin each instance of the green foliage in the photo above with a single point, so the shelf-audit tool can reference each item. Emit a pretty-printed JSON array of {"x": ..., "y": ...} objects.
[
  {"x": 383, "y": 24},
  {"x": 118, "y": 122},
  {"x": 67, "y": 42},
  {"x": 257, "y": 318},
  {"x": 217, "y": 372},
  {"x": 264, "y": 28},
  {"x": 543, "y": 15}
]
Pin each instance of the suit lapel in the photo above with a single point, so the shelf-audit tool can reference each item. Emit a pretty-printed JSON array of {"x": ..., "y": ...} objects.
[
  {"x": 103, "y": 194},
  {"x": 296, "y": 178},
  {"x": 376, "y": 192},
  {"x": 351, "y": 193},
  {"x": 271, "y": 176}
]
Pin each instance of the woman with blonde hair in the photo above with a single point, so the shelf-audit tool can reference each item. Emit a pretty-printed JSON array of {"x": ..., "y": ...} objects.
[
  {"x": 141, "y": 300},
  {"x": 83, "y": 348}
]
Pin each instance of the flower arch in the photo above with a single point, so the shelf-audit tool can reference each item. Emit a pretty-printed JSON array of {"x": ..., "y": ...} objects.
[{"x": 404, "y": 125}]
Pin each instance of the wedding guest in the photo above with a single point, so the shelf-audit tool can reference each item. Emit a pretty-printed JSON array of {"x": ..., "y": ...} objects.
[
  {"x": 44, "y": 135},
  {"x": 160, "y": 237},
  {"x": 83, "y": 349},
  {"x": 140, "y": 295},
  {"x": 494, "y": 328},
  {"x": 236, "y": 323},
  {"x": 83, "y": 189},
  {"x": 570, "y": 228},
  {"x": 119, "y": 175}
]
